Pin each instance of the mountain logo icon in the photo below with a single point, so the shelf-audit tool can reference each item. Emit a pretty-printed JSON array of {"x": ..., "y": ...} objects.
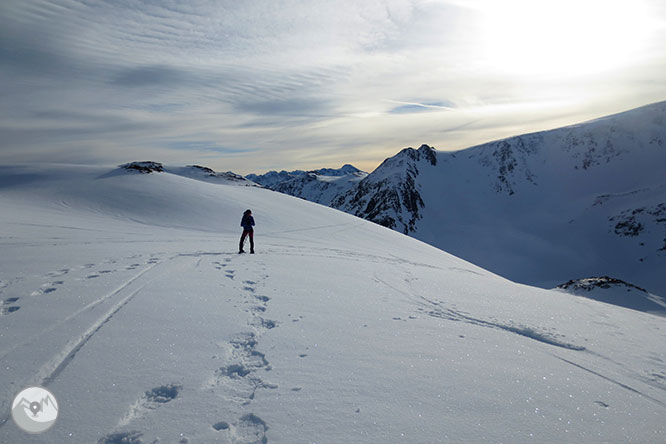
[{"x": 35, "y": 410}]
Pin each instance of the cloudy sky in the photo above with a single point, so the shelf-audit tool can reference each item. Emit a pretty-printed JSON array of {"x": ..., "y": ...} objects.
[{"x": 255, "y": 85}]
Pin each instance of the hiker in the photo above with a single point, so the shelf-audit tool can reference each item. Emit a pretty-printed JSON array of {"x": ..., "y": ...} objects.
[{"x": 247, "y": 222}]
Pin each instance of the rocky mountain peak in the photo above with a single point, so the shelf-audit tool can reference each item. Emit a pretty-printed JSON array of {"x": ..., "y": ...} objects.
[{"x": 145, "y": 167}]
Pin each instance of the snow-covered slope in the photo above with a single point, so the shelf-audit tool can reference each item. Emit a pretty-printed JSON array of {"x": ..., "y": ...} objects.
[
  {"x": 123, "y": 294},
  {"x": 321, "y": 186},
  {"x": 542, "y": 208}
]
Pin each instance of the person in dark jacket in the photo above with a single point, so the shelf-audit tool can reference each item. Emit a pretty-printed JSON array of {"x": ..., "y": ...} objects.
[{"x": 247, "y": 222}]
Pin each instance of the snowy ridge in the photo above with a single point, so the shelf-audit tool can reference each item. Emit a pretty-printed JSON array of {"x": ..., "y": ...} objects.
[
  {"x": 337, "y": 330},
  {"x": 320, "y": 186},
  {"x": 191, "y": 171},
  {"x": 206, "y": 174},
  {"x": 390, "y": 196},
  {"x": 541, "y": 208}
]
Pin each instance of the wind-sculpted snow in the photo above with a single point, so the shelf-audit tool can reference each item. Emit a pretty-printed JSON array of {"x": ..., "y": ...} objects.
[{"x": 137, "y": 313}]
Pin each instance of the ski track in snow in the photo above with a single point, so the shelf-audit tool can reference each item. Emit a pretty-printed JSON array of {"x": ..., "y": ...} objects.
[
  {"x": 123, "y": 294},
  {"x": 434, "y": 309},
  {"x": 437, "y": 310},
  {"x": 52, "y": 369},
  {"x": 151, "y": 264},
  {"x": 613, "y": 381},
  {"x": 237, "y": 382},
  {"x": 654, "y": 379}
]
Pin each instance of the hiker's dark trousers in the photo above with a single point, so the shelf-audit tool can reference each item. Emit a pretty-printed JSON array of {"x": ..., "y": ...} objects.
[{"x": 246, "y": 232}]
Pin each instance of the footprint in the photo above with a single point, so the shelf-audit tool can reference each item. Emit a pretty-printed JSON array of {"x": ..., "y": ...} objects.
[
  {"x": 234, "y": 371},
  {"x": 10, "y": 300},
  {"x": 105, "y": 271},
  {"x": 250, "y": 429},
  {"x": 133, "y": 437},
  {"x": 240, "y": 376},
  {"x": 10, "y": 309},
  {"x": 60, "y": 272},
  {"x": 250, "y": 289},
  {"x": 163, "y": 393},
  {"x": 264, "y": 323},
  {"x": 92, "y": 276},
  {"x": 249, "y": 282},
  {"x": 244, "y": 341},
  {"x": 251, "y": 361},
  {"x": 222, "y": 425},
  {"x": 263, "y": 299},
  {"x": 49, "y": 290},
  {"x": 150, "y": 400}
]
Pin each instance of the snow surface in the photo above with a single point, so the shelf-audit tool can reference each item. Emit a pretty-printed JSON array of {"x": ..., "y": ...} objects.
[{"x": 123, "y": 294}]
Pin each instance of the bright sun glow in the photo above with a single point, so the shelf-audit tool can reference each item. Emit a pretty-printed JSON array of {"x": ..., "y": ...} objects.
[{"x": 564, "y": 37}]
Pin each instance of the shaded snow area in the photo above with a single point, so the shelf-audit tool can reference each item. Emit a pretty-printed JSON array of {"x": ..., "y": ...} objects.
[{"x": 123, "y": 294}]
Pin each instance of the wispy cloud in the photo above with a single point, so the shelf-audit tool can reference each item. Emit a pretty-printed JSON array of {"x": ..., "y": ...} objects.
[
  {"x": 416, "y": 107},
  {"x": 266, "y": 84}
]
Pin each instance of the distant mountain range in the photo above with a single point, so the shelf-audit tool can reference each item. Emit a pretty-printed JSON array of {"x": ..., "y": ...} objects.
[
  {"x": 542, "y": 208},
  {"x": 321, "y": 186}
]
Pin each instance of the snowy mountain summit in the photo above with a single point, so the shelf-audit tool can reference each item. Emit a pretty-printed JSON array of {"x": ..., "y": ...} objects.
[
  {"x": 541, "y": 208},
  {"x": 124, "y": 295},
  {"x": 390, "y": 195}
]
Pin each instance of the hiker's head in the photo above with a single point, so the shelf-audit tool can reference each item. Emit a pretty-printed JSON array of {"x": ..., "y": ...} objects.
[{"x": 247, "y": 212}]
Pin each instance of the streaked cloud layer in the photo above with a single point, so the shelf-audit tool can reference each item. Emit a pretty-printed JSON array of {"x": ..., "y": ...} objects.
[{"x": 257, "y": 85}]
